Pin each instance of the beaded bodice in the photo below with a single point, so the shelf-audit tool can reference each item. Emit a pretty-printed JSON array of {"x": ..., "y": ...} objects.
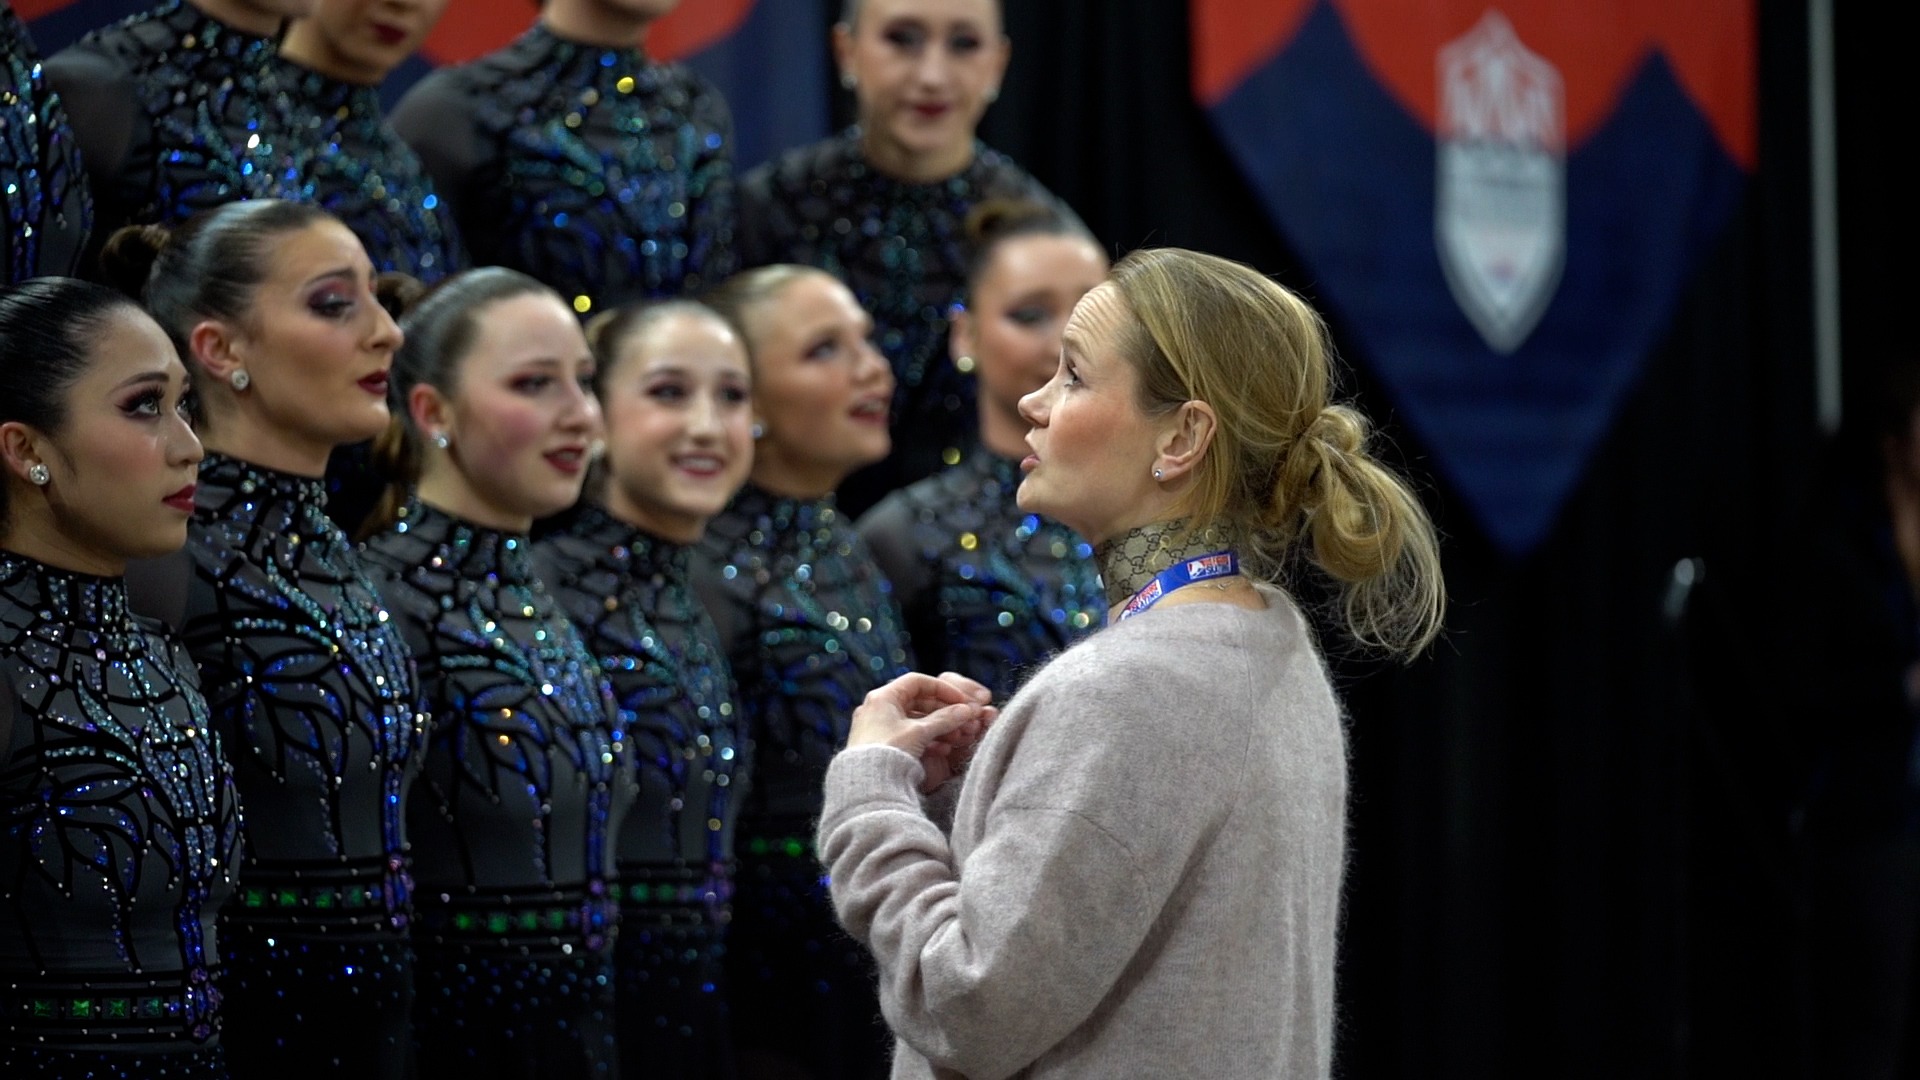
[
  {"x": 121, "y": 826},
  {"x": 309, "y": 682},
  {"x": 903, "y": 249},
  {"x": 811, "y": 626},
  {"x": 170, "y": 109},
  {"x": 527, "y": 779},
  {"x": 596, "y": 170},
  {"x": 45, "y": 209},
  {"x": 988, "y": 590},
  {"x": 631, "y": 595},
  {"x": 347, "y": 159}
]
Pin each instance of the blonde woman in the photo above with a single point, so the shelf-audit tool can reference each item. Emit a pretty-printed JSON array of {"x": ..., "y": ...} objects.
[{"x": 1147, "y": 849}]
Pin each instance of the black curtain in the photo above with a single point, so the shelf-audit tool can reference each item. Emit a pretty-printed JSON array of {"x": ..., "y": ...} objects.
[{"x": 1571, "y": 837}]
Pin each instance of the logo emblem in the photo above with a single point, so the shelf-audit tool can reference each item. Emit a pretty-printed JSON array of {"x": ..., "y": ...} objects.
[{"x": 1500, "y": 208}]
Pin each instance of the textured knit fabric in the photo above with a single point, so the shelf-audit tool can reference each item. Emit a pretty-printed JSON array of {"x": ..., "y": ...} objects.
[{"x": 1143, "y": 872}]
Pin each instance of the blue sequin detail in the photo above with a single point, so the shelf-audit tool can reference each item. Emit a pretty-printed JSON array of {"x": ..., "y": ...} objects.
[
  {"x": 45, "y": 208},
  {"x": 344, "y": 156},
  {"x": 122, "y": 825},
  {"x": 312, "y": 686},
  {"x": 606, "y": 175}
]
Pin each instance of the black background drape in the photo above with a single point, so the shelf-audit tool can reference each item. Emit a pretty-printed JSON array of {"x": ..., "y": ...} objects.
[{"x": 1571, "y": 844}]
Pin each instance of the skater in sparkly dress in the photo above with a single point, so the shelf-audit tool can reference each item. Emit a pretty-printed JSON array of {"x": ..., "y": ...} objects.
[
  {"x": 122, "y": 828},
  {"x": 170, "y": 108},
  {"x": 349, "y": 159},
  {"x": 989, "y": 590},
  {"x": 810, "y": 625},
  {"x": 675, "y": 385},
  {"x": 310, "y": 684},
  {"x": 571, "y": 156},
  {"x": 884, "y": 206},
  {"x": 527, "y": 777}
]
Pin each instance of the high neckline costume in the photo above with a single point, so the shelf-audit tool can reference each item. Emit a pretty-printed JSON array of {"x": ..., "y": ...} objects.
[
  {"x": 988, "y": 590},
  {"x": 121, "y": 838},
  {"x": 351, "y": 163},
  {"x": 526, "y": 784},
  {"x": 631, "y": 595},
  {"x": 171, "y": 110},
  {"x": 45, "y": 208},
  {"x": 313, "y": 690},
  {"x": 903, "y": 249},
  {"x": 596, "y": 170},
  {"x": 811, "y": 626}
]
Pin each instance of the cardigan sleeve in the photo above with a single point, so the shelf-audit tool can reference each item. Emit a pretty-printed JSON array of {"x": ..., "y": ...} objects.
[
  {"x": 1091, "y": 815},
  {"x": 982, "y": 977}
]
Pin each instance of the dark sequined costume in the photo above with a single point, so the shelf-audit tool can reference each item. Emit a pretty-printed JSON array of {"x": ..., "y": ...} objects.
[
  {"x": 45, "y": 209},
  {"x": 312, "y": 688},
  {"x": 526, "y": 783},
  {"x": 988, "y": 590},
  {"x": 169, "y": 107},
  {"x": 810, "y": 626},
  {"x": 631, "y": 595},
  {"x": 350, "y": 161},
  {"x": 903, "y": 249},
  {"x": 121, "y": 834},
  {"x": 598, "y": 171}
]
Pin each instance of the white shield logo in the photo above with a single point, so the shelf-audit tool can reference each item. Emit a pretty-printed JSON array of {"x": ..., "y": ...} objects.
[{"x": 1501, "y": 208}]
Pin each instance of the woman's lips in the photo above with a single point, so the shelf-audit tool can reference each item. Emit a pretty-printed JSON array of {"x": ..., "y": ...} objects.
[
  {"x": 389, "y": 35},
  {"x": 870, "y": 411},
  {"x": 931, "y": 112},
  {"x": 1029, "y": 463},
  {"x": 182, "y": 500},
  {"x": 375, "y": 383},
  {"x": 569, "y": 461}
]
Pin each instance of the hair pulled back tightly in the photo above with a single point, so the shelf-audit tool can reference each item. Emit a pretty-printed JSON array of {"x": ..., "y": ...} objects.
[{"x": 47, "y": 326}]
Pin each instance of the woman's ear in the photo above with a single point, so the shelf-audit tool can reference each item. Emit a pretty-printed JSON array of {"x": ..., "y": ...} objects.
[
  {"x": 843, "y": 54},
  {"x": 430, "y": 411},
  {"x": 1003, "y": 55},
  {"x": 960, "y": 335},
  {"x": 216, "y": 349},
  {"x": 21, "y": 449},
  {"x": 1189, "y": 432}
]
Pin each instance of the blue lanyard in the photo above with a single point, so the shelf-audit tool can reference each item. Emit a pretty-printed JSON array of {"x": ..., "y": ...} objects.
[{"x": 1178, "y": 576}]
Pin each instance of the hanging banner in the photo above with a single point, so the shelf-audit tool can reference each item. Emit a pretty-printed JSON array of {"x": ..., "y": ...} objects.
[
  {"x": 778, "y": 90},
  {"x": 1499, "y": 203}
]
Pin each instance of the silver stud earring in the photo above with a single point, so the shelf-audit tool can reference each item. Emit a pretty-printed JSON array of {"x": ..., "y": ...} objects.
[
  {"x": 848, "y": 81},
  {"x": 1157, "y": 475},
  {"x": 964, "y": 364},
  {"x": 441, "y": 441},
  {"x": 39, "y": 474},
  {"x": 993, "y": 95},
  {"x": 239, "y": 379},
  {"x": 759, "y": 430}
]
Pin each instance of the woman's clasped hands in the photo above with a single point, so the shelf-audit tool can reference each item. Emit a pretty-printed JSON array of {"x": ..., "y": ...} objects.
[{"x": 937, "y": 719}]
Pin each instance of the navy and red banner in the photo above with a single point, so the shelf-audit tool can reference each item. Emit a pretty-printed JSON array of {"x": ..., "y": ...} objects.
[
  {"x": 1501, "y": 202},
  {"x": 769, "y": 57}
]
